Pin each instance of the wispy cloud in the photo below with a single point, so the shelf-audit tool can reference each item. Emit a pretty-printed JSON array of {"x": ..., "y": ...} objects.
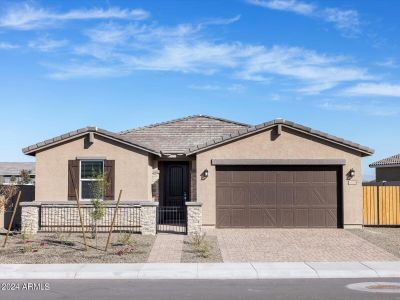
[
  {"x": 235, "y": 88},
  {"x": 182, "y": 48},
  {"x": 347, "y": 21},
  {"x": 7, "y": 46},
  {"x": 46, "y": 44},
  {"x": 374, "y": 89},
  {"x": 378, "y": 109},
  {"x": 26, "y": 17},
  {"x": 388, "y": 63},
  {"x": 286, "y": 5}
]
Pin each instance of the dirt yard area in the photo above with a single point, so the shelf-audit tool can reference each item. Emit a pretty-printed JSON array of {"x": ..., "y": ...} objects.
[
  {"x": 68, "y": 248},
  {"x": 383, "y": 237},
  {"x": 206, "y": 251}
]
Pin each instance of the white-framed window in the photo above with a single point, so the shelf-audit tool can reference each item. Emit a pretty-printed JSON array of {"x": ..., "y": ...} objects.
[{"x": 88, "y": 171}]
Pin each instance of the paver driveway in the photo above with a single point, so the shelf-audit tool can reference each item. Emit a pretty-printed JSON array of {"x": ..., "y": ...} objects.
[{"x": 257, "y": 245}]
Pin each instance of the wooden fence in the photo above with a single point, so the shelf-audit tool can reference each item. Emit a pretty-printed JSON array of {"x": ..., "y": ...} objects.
[{"x": 381, "y": 204}]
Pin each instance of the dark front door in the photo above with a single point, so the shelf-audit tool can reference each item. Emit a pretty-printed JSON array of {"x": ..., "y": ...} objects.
[{"x": 176, "y": 184}]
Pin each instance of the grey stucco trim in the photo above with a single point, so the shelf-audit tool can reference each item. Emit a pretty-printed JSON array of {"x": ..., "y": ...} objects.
[
  {"x": 149, "y": 203},
  {"x": 242, "y": 162},
  {"x": 91, "y": 157},
  {"x": 189, "y": 203},
  {"x": 284, "y": 123}
]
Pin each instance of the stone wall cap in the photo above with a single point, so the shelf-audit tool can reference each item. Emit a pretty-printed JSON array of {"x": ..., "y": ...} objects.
[
  {"x": 192, "y": 203},
  {"x": 149, "y": 203},
  {"x": 33, "y": 203},
  {"x": 86, "y": 203}
]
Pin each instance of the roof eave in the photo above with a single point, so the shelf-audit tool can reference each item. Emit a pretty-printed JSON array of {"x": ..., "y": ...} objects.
[
  {"x": 365, "y": 151},
  {"x": 31, "y": 150}
]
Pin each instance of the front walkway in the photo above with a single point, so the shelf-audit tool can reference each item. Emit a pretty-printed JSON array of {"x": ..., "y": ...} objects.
[
  {"x": 167, "y": 248},
  {"x": 290, "y": 245}
]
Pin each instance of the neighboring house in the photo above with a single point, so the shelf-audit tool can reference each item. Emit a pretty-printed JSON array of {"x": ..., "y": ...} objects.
[
  {"x": 275, "y": 174},
  {"x": 387, "y": 169},
  {"x": 12, "y": 170}
]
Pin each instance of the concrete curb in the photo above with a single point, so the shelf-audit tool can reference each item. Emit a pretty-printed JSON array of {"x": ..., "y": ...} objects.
[{"x": 268, "y": 270}]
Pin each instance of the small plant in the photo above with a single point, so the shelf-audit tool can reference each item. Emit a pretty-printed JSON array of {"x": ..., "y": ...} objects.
[
  {"x": 125, "y": 238},
  {"x": 25, "y": 236},
  {"x": 125, "y": 250},
  {"x": 60, "y": 238},
  {"x": 25, "y": 177},
  {"x": 200, "y": 245},
  {"x": 98, "y": 189}
]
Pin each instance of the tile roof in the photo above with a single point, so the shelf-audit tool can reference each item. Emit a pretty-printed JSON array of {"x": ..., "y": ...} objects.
[
  {"x": 189, "y": 135},
  {"x": 82, "y": 131},
  {"x": 177, "y": 136},
  {"x": 250, "y": 130},
  {"x": 14, "y": 168},
  {"x": 387, "y": 162}
]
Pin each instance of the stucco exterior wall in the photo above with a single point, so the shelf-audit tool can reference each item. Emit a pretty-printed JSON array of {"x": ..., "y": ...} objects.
[
  {"x": 132, "y": 169},
  {"x": 289, "y": 145},
  {"x": 388, "y": 174}
]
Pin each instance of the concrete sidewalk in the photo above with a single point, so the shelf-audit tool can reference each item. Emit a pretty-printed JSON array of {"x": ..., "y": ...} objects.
[{"x": 273, "y": 270}]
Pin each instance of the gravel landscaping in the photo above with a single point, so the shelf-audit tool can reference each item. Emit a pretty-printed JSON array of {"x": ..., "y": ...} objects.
[
  {"x": 383, "y": 237},
  {"x": 190, "y": 255},
  {"x": 68, "y": 248}
]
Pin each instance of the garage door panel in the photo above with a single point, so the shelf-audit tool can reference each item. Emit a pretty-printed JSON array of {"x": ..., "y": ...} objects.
[
  {"x": 277, "y": 196},
  {"x": 270, "y": 176},
  {"x": 239, "y": 217},
  {"x": 240, "y": 196},
  {"x": 270, "y": 195},
  {"x": 285, "y": 195},
  {"x": 302, "y": 195},
  {"x": 317, "y": 217},
  {"x": 286, "y": 217},
  {"x": 330, "y": 176},
  {"x": 223, "y": 217},
  {"x": 224, "y": 195},
  {"x": 257, "y": 176},
  {"x": 257, "y": 196},
  {"x": 242, "y": 176},
  {"x": 285, "y": 176},
  {"x": 301, "y": 217},
  {"x": 224, "y": 176},
  {"x": 331, "y": 217}
]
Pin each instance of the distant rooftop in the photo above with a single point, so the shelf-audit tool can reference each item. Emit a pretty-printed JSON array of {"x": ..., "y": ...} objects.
[
  {"x": 14, "y": 168},
  {"x": 392, "y": 161}
]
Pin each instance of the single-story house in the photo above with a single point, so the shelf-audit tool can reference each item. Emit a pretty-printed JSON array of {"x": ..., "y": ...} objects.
[
  {"x": 275, "y": 174},
  {"x": 387, "y": 169},
  {"x": 10, "y": 171}
]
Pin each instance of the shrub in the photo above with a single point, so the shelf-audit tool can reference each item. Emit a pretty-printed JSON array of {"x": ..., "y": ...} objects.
[
  {"x": 200, "y": 245},
  {"x": 125, "y": 238}
]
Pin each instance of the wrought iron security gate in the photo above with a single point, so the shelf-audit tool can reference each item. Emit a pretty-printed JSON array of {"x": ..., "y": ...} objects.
[{"x": 172, "y": 219}]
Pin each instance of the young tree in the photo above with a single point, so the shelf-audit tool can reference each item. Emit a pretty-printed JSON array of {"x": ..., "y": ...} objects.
[
  {"x": 98, "y": 189},
  {"x": 25, "y": 177},
  {"x": 7, "y": 192}
]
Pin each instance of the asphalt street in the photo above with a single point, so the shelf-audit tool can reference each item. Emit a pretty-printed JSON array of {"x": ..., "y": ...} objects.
[{"x": 196, "y": 289}]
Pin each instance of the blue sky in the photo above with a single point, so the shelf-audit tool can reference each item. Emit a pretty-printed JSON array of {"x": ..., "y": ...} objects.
[{"x": 330, "y": 65}]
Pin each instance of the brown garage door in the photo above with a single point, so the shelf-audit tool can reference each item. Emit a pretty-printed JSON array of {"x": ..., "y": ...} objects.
[{"x": 278, "y": 196}]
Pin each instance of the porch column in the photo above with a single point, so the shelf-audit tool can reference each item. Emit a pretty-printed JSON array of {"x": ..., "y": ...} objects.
[
  {"x": 30, "y": 217},
  {"x": 194, "y": 217},
  {"x": 148, "y": 218}
]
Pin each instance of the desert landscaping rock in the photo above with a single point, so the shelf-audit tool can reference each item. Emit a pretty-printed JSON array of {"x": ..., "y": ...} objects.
[
  {"x": 190, "y": 256},
  {"x": 386, "y": 238},
  {"x": 50, "y": 248}
]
